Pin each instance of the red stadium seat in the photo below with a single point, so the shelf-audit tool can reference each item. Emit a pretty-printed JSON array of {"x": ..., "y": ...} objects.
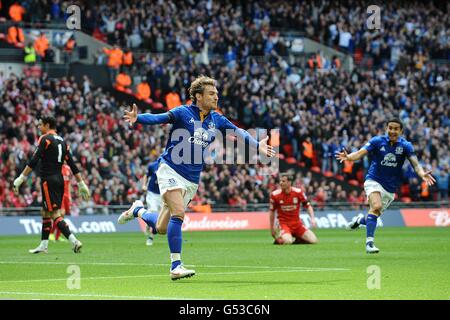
[
  {"x": 291, "y": 160},
  {"x": 301, "y": 164},
  {"x": 405, "y": 199},
  {"x": 339, "y": 177},
  {"x": 157, "y": 105},
  {"x": 315, "y": 169},
  {"x": 149, "y": 101},
  {"x": 328, "y": 174},
  {"x": 353, "y": 182},
  {"x": 2, "y": 36}
]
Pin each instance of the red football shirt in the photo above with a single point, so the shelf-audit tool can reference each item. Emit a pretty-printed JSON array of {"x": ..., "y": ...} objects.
[{"x": 287, "y": 205}]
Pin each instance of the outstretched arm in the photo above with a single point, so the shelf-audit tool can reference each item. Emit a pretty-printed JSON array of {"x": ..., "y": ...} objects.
[
  {"x": 262, "y": 146},
  {"x": 146, "y": 118},
  {"x": 354, "y": 156},
  {"x": 424, "y": 175}
]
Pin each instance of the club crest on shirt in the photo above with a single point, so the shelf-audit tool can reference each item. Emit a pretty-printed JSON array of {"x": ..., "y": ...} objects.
[
  {"x": 281, "y": 201},
  {"x": 399, "y": 150},
  {"x": 295, "y": 200},
  {"x": 211, "y": 126}
]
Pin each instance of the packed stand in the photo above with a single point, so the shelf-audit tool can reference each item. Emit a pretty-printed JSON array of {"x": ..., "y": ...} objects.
[
  {"x": 414, "y": 30},
  {"x": 319, "y": 110},
  {"x": 112, "y": 156}
]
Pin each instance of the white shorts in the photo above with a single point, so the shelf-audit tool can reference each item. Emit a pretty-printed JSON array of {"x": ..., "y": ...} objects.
[
  {"x": 153, "y": 202},
  {"x": 386, "y": 197},
  {"x": 169, "y": 179}
]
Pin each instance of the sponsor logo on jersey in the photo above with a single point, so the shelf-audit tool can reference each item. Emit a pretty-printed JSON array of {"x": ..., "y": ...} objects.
[
  {"x": 389, "y": 160},
  {"x": 200, "y": 137},
  {"x": 290, "y": 207}
]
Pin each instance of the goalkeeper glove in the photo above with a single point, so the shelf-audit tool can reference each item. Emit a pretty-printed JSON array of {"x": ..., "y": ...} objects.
[
  {"x": 83, "y": 190},
  {"x": 18, "y": 182}
]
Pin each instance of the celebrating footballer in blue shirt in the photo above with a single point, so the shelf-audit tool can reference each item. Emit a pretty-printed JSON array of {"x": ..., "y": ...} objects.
[
  {"x": 387, "y": 155},
  {"x": 194, "y": 128}
]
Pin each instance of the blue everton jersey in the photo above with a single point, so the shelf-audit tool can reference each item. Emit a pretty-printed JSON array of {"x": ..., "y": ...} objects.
[
  {"x": 152, "y": 185},
  {"x": 386, "y": 161},
  {"x": 189, "y": 136}
]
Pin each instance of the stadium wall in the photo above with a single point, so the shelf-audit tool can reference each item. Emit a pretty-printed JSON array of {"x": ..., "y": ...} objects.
[{"x": 31, "y": 225}]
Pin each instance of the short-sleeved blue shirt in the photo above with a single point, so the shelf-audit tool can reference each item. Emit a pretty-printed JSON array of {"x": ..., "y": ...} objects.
[
  {"x": 200, "y": 134},
  {"x": 386, "y": 161}
]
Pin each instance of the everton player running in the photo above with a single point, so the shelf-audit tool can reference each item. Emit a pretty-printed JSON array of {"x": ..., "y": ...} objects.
[
  {"x": 152, "y": 198},
  {"x": 387, "y": 154},
  {"x": 285, "y": 223},
  {"x": 193, "y": 130},
  {"x": 52, "y": 151}
]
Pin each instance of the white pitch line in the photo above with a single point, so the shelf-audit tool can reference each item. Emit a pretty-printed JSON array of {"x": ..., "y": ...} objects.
[
  {"x": 88, "y": 295},
  {"x": 161, "y": 275},
  {"x": 269, "y": 267},
  {"x": 165, "y": 265}
]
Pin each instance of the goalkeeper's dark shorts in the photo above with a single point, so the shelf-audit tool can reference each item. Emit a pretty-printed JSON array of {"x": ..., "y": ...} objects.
[{"x": 52, "y": 192}]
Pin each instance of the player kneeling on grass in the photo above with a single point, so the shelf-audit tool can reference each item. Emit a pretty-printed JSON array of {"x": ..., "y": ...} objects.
[
  {"x": 387, "y": 155},
  {"x": 52, "y": 151},
  {"x": 285, "y": 223}
]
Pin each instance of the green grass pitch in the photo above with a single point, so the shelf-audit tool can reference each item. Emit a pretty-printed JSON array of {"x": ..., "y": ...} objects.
[{"x": 413, "y": 263}]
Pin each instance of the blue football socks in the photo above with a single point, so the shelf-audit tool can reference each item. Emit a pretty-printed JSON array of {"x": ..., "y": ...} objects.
[
  {"x": 150, "y": 218},
  {"x": 136, "y": 211},
  {"x": 371, "y": 225},
  {"x": 175, "y": 240},
  {"x": 362, "y": 221}
]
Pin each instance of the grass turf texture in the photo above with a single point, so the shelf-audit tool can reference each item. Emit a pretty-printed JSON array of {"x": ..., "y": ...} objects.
[{"x": 414, "y": 264}]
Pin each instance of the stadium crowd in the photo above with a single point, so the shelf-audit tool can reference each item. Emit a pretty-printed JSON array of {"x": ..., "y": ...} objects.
[
  {"x": 418, "y": 29},
  {"x": 415, "y": 30},
  {"x": 318, "y": 110}
]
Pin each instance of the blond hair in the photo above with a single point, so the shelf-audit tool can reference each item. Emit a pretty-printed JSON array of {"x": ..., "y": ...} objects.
[{"x": 198, "y": 86}]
